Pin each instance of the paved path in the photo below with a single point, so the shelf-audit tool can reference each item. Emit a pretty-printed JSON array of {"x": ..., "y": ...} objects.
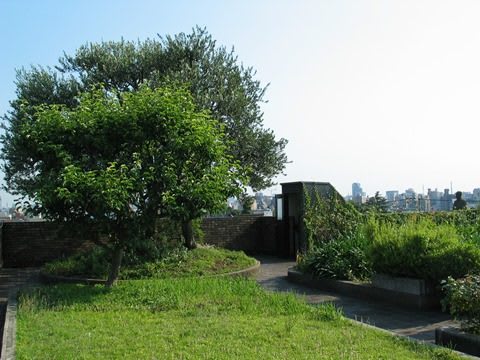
[
  {"x": 15, "y": 278},
  {"x": 420, "y": 325},
  {"x": 11, "y": 279}
]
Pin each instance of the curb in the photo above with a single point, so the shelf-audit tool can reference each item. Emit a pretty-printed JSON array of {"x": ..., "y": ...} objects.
[
  {"x": 417, "y": 341},
  {"x": 248, "y": 272},
  {"x": 461, "y": 341},
  {"x": 56, "y": 279},
  {"x": 10, "y": 327}
]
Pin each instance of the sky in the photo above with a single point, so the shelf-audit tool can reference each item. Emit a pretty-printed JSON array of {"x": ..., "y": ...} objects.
[{"x": 384, "y": 93}]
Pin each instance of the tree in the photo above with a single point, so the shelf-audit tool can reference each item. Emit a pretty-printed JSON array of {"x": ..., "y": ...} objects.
[
  {"x": 217, "y": 81},
  {"x": 376, "y": 203},
  {"x": 117, "y": 160}
]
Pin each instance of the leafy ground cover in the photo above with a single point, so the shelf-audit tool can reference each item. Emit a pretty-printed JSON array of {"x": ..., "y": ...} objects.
[
  {"x": 178, "y": 263},
  {"x": 194, "y": 318}
]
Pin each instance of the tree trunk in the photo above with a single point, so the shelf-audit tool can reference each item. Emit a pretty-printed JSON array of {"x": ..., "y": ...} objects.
[
  {"x": 187, "y": 231},
  {"x": 115, "y": 266}
]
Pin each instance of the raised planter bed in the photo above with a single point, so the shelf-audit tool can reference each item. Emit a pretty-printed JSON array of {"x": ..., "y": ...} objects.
[
  {"x": 458, "y": 340},
  {"x": 55, "y": 279},
  {"x": 404, "y": 293},
  {"x": 405, "y": 285}
]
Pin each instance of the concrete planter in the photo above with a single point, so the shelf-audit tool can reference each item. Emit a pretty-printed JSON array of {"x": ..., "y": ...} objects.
[
  {"x": 404, "y": 292},
  {"x": 458, "y": 340},
  {"x": 412, "y": 286}
]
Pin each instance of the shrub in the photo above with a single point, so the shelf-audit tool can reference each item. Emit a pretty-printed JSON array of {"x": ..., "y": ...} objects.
[
  {"x": 463, "y": 300},
  {"x": 340, "y": 259},
  {"x": 336, "y": 260},
  {"x": 329, "y": 218},
  {"x": 420, "y": 249},
  {"x": 335, "y": 245},
  {"x": 94, "y": 262}
]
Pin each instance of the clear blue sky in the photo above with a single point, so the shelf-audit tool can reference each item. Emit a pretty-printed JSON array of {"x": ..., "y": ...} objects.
[{"x": 385, "y": 93}]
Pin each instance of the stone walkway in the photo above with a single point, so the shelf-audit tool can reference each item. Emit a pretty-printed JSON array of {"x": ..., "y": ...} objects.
[
  {"x": 11, "y": 280},
  {"x": 420, "y": 325},
  {"x": 15, "y": 278}
]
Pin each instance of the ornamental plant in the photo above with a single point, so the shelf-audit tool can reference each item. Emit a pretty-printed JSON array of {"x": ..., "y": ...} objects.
[{"x": 463, "y": 299}]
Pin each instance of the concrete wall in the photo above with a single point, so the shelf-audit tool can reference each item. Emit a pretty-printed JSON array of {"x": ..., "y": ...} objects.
[{"x": 31, "y": 244}]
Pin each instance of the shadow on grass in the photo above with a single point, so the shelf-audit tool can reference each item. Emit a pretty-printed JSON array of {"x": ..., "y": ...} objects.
[{"x": 61, "y": 296}]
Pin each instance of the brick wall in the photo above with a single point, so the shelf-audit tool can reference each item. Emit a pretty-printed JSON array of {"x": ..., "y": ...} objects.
[
  {"x": 252, "y": 234},
  {"x": 28, "y": 244}
]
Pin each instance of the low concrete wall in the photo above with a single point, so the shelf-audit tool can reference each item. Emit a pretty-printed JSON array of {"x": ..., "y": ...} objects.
[
  {"x": 458, "y": 340},
  {"x": 418, "y": 287},
  {"x": 367, "y": 291}
]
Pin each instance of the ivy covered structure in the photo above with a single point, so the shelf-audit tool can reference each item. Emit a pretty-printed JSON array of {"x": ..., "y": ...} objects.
[{"x": 292, "y": 206}]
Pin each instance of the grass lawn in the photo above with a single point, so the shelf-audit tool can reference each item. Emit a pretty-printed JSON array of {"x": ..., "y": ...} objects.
[{"x": 194, "y": 318}]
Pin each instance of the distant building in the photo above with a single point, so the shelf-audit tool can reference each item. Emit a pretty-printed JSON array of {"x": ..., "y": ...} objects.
[
  {"x": 392, "y": 200},
  {"x": 264, "y": 202},
  {"x": 391, "y": 195},
  {"x": 357, "y": 190},
  {"x": 358, "y": 196},
  {"x": 447, "y": 200},
  {"x": 435, "y": 199},
  {"x": 476, "y": 194},
  {"x": 424, "y": 203}
]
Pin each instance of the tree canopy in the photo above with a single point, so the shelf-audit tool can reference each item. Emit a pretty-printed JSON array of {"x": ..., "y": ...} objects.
[
  {"x": 117, "y": 160},
  {"x": 377, "y": 203},
  {"x": 213, "y": 75}
]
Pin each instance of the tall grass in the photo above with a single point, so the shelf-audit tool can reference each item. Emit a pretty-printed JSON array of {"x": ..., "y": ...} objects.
[{"x": 421, "y": 249}]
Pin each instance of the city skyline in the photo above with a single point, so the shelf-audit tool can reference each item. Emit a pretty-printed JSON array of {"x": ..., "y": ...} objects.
[{"x": 377, "y": 92}]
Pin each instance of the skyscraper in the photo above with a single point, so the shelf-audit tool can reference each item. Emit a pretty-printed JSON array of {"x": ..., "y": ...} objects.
[{"x": 357, "y": 190}]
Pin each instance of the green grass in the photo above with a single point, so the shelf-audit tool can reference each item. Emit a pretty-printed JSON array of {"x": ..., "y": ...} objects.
[
  {"x": 178, "y": 263},
  {"x": 194, "y": 318}
]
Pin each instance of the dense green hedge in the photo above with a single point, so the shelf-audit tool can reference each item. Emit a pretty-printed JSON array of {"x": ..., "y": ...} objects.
[
  {"x": 420, "y": 249},
  {"x": 345, "y": 243}
]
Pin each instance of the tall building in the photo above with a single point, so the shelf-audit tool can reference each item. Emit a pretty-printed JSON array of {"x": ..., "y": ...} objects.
[
  {"x": 357, "y": 190},
  {"x": 391, "y": 195},
  {"x": 447, "y": 200},
  {"x": 435, "y": 197},
  {"x": 358, "y": 196},
  {"x": 392, "y": 200}
]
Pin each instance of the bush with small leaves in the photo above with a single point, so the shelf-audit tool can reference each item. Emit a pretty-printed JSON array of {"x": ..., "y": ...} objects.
[{"x": 463, "y": 300}]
